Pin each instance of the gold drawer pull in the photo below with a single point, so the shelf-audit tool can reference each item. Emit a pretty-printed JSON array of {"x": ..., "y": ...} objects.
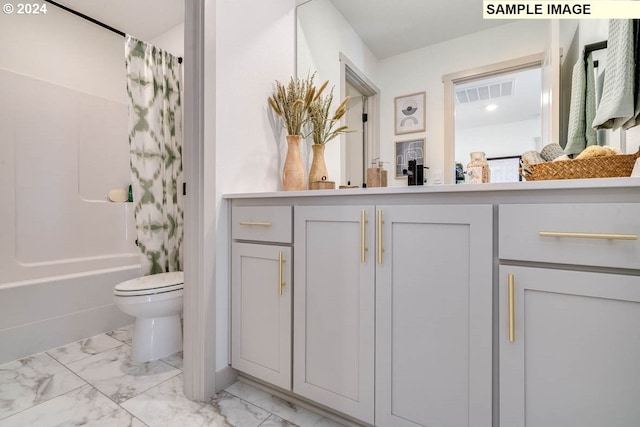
[
  {"x": 589, "y": 235},
  {"x": 256, "y": 224},
  {"x": 512, "y": 308},
  {"x": 380, "y": 249},
  {"x": 363, "y": 235},
  {"x": 280, "y": 284}
]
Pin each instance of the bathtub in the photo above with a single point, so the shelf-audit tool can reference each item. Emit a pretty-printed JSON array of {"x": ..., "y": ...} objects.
[
  {"x": 63, "y": 244},
  {"x": 40, "y": 314}
]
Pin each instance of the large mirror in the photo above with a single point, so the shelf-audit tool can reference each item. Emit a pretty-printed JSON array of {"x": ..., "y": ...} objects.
[{"x": 409, "y": 47}]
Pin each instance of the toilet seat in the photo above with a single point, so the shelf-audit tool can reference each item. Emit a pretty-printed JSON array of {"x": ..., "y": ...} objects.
[{"x": 151, "y": 285}]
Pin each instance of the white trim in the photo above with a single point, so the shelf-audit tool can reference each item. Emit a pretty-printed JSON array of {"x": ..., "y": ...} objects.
[
  {"x": 300, "y": 401},
  {"x": 199, "y": 323},
  {"x": 225, "y": 377},
  {"x": 349, "y": 72}
]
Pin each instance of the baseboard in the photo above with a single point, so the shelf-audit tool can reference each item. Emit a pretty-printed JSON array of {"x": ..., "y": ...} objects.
[
  {"x": 302, "y": 402},
  {"x": 225, "y": 377}
]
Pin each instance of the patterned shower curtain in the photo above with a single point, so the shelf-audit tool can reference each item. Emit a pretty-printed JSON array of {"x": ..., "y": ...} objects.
[{"x": 154, "y": 85}]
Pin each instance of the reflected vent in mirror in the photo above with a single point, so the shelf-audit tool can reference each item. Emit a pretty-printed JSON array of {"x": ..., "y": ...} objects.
[{"x": 485, "y": 92}]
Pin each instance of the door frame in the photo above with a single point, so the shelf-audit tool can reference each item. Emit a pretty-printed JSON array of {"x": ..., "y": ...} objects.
[
  {"x": 349, "y": 73},
  {"x": 450, "y": 80}
]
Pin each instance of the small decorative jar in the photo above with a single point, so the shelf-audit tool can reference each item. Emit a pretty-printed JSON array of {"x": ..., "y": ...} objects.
[{"x": 478, "y": 168}]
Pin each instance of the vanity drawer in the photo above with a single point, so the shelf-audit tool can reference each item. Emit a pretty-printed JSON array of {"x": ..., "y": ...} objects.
[
  {"x": 262, "y": 223},
  {"x": 593, "y": 234}
]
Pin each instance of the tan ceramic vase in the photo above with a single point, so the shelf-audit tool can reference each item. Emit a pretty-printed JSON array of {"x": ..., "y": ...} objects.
[
  {"x": 293, "y": 173},
  {"x": 318, "y": 165}
]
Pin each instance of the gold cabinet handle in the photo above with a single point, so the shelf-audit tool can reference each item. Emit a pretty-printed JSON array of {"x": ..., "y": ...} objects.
[
  {"x": 589, "y": 235},
  {"x": 380, "y": 222},
  {"x": 363, "y": 237},
  {"x": 512, "y": 309},
  {"x": 255, "y": 224},
  {"x": 280, "y": 283}
]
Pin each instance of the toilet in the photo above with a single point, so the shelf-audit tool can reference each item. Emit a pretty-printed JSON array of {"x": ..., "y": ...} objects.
[{"x": 156, "y": 303}]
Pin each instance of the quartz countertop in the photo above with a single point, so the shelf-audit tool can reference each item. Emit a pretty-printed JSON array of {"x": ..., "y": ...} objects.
[{"x": 567, "y": 184}]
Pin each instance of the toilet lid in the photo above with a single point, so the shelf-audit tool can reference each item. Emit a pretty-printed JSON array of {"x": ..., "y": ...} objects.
[{"x": 156, "y": 283}]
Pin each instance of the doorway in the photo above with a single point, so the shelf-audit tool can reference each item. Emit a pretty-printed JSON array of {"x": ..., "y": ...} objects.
[
  {"x": 499, "y": 115},
  {"x": 474, "y": 79},
  {"x": 360, "y": 148}
]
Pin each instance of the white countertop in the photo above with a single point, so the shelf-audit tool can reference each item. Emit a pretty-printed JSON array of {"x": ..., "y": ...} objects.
[{"x": 566, "y": 184}]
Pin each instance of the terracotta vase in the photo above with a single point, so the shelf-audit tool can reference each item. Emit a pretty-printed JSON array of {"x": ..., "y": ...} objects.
[
  {"x": 293, "y": 172},
  {"x": 318, "y": 165}
]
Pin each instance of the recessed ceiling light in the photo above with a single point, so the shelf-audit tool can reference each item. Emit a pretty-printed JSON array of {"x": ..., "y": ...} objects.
[{"x": 491, "y": 107}]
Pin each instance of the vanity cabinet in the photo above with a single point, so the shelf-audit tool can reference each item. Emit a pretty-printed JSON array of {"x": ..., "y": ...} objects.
[
  {"x": 410, "y": 285},
  {"x": 433, "y": 316},
  {"x": 569, "y": 315},
  {"x": 262, "y": 292},
  {"x": 334, "y": 302}
]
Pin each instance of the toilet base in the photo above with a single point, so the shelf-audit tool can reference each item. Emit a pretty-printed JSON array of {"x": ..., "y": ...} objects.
[{"x": 155, "y": 338}]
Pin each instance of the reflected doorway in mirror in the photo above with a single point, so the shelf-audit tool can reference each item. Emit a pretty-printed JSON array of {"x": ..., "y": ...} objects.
[{"x": 410, "y": 115}]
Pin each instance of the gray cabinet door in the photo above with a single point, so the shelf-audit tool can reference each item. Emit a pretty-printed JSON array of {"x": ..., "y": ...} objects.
[
  {"x": 434, "y": 316},
  {"x": 575, "y": 355},
  {"x": 261, "y": 312},
  {"x": 334, "y": 303}
]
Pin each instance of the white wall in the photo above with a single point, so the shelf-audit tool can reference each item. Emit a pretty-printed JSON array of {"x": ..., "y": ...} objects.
[
  {"x": 508, "y": 139},
  {"x": 251, "y": 51},
  {"x": 422, "y": 70},
  {"x": 172, "y": 41}
]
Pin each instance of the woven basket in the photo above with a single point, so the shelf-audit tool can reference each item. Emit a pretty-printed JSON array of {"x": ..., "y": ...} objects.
[{"x": 594, "y": 167}]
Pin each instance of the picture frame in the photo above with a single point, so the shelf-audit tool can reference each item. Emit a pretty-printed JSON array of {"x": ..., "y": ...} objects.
[
  {"x": 504, "y": 169},
  {"x": 410, "y": 113},
  {"x": 412, "y": 149}
]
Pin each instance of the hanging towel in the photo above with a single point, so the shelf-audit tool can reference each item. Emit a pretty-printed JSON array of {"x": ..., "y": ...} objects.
[
  {"x": 617, "y": 103},
  {"x": 601, "y": 133},
  {"x": 635, "y": 120},
  {"x": 576, "y": 130},
  {"x": 590, "y": 104}
]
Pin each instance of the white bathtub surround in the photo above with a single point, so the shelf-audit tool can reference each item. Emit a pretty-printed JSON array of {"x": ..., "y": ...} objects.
[
  {"x": 154, "y": 89},
  {"x": 50, "y": 395},
  {"x": 83, "y": 308}
]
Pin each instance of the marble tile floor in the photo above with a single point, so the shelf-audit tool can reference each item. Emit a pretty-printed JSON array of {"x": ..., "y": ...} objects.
[{"x": 92, "y": 382}]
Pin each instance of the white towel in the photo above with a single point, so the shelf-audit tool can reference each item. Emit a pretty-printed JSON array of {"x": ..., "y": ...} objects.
[
  {"x": 601, "y": 133},
  {"x": 576, "y": 131},
  {"x": 617, "y": 103}
]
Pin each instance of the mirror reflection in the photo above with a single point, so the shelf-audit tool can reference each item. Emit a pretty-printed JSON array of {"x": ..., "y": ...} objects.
[
  {"x": 499, "y": 115},
  {"x": 409, "y": 47}
]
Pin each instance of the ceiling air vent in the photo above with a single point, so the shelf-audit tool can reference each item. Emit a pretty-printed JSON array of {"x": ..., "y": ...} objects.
[{"x": 485, "y": 92}]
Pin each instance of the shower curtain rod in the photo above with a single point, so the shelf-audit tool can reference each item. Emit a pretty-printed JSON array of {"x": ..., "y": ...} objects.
[{"x": 94, "y": 21}]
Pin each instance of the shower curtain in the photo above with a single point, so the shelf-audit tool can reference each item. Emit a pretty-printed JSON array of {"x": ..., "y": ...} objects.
[{"x": 155, "y": 140}]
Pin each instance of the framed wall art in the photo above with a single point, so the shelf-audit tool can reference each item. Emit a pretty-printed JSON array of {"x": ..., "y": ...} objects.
[
  {"x": 504, "y": 169},
  {"x": 408, "y": 150},
  {"x": 410, "y": 114}
]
